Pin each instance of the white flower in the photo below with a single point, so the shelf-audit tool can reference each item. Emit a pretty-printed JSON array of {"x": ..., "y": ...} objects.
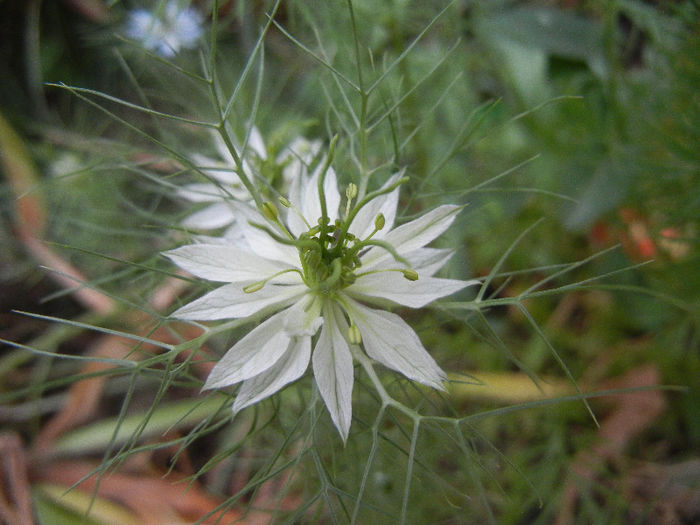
[
  {"x": 167, "y": 30},
  {"x": 226, "y": 186},
  {"x": 313, "y": 270}
]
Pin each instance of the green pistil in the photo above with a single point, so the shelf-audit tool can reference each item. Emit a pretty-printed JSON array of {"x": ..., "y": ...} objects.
[
  {"x": 328, "y": 262},
  {"x": 330, "y": 256}
]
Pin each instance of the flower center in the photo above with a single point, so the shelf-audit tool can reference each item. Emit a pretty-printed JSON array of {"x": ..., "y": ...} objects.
[{"x": 329, "y": 257}]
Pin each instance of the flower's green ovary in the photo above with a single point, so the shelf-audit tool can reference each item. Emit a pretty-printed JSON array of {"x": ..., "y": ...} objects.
[{"x": 327, "y": 263}]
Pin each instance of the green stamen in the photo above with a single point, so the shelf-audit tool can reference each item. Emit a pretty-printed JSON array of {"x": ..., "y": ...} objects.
[
  {"x": 254, "y": 287},
  {"x": 354, "y": 335}
]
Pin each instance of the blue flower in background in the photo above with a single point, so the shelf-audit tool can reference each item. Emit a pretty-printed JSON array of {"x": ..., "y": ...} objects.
[{"x": 166, "y": 30}]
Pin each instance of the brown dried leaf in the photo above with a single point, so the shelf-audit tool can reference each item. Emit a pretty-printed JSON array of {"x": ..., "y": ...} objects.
[
  {"x": 632, "y": 413},
  {"x": 15, "y": 496},
  {"x": 155, "y": 500}
]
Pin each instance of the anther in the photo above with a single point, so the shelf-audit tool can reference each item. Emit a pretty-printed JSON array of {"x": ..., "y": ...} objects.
[
  {"x": 379, "y": 222},
  {"x": 254, "y": 287},
  {"x": 409, "y": 274},
  {"x": 354, "y": 335},
  {"x": 269, "y": 211}
]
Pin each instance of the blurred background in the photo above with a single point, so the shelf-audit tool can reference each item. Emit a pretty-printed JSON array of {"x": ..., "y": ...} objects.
[{"x": 583, "y": 113}]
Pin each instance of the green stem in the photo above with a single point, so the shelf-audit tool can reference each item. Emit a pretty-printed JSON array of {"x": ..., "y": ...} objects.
[
  {"x": 387, "y": 400},
  {"x": 239, "y": 164}
]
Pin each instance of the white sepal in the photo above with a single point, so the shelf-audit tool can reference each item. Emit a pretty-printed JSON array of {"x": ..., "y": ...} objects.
[
  {"x": 396, "y": 288},
  {"x": 290, "y": 367},
  {"x": 363, "y": 223},
  {"x": 304, "y": 316},
  {"x": 231, "y": 302},
  {"x": 414, "y": 234},
  {"x": 225, "y": 263},
  {"x": 252, "y": 355},
  {"x": 388, "y": 339},
  {"x": 211, "y": 217},
  {"x": 333, "y": 370}
]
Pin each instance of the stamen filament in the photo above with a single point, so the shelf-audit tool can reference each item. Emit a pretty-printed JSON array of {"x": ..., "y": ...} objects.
[
  {"x": 254, "y": 287},
  {"x": 297, "y": 243},
  {"x": 408, "y": 273},
  {"x": 367, "y": 198},
  {"x": 383, "y": 244}
]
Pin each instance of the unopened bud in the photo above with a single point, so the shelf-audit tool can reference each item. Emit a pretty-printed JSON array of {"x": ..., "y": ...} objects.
[
  {"x": 354, "y": 335},
  {"x": 379, "y": 221},
  {"x": 409, "y": 274},
  {"x": 251, "y": 288},
  {"x": 269, "y": 211},
  {"x": 351, "y": 191}
]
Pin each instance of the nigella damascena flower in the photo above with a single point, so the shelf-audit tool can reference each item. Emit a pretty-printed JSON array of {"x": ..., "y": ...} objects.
[
  {"x": 166, "y": 30},
  {"x": 225, "y": 186},
  {"x": 317, "y": 271}
]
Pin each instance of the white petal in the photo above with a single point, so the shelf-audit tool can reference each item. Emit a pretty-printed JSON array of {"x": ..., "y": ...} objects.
[
  {"x": 231, "y": 302},
  {"x": 414, "y": 234},
  {"x": 363, "y": 223},
  {"x": 389, "y": 340},
  {"x": 260, "y": 241},
  {"x": 213, "y": 216},
  {"x": 252, "y": 355},
  {"x": 297, "y": 156},
  {"x": 333, "y": 371},
  {"x": 222, "y": 148},
  {"x": 202, "y": 192},
  {"x": 294, "y": 222},
  {"x": 256, "y": 143},
  {"x": 330, "y": 188},
  {"x": 290, "y": 367},
  {"x": 396, "y": 288},
  {"x": 224, "y": 178},
  {"x": 218, "y": 172},
  {"x": 225, "y": 263},
  {"x": 426, "y": 261},
  {"x": 304, "y": 317},
  {"x": 232, "y": 237},
  {"x": 301, "y": 149}
]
